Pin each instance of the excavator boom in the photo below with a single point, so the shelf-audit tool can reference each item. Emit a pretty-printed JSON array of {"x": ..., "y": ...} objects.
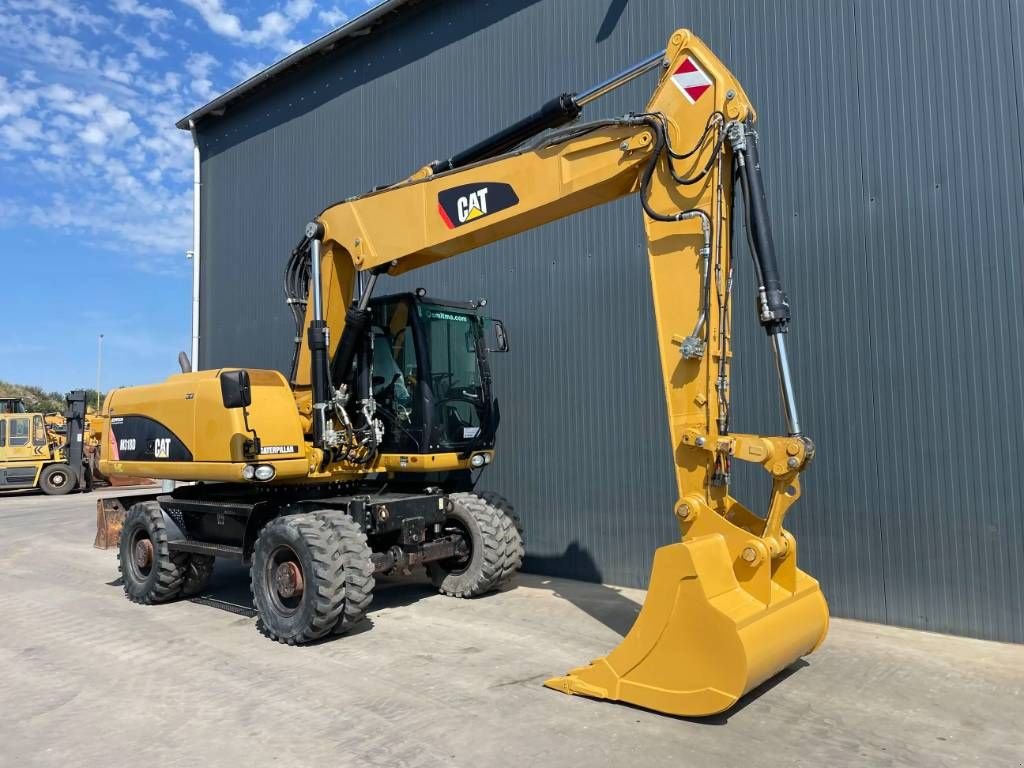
[{"x": 727, "y": 607}]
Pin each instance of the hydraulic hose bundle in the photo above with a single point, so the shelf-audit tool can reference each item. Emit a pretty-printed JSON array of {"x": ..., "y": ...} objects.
[{"x": 355, "y": 444}]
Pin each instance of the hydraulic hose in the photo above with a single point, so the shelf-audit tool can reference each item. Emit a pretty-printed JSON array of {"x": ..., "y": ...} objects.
[{"x": 773, "y": 305}]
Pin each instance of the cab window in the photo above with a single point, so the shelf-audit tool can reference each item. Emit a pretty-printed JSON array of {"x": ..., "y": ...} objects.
[
  {"x": 3, "y": 432},
  {"x": 38, "y": 431},
  {"x": 19, "y": 429}
]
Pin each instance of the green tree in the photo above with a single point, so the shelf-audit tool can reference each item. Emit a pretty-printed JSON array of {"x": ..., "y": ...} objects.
[{"x": 39, "y": 401}]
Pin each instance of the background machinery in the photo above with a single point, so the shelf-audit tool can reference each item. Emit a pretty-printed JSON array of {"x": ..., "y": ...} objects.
[
  {"x": 45, "y": 451},
  {"x": 363, "y": 460}
]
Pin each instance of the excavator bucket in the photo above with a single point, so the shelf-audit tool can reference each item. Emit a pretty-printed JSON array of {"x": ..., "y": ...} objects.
[
  {"x": 702, "y": 640},
  {"x": 109, "y": 519}
]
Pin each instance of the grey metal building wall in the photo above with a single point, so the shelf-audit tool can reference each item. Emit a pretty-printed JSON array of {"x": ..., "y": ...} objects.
[{"x": 891, "y": 146}]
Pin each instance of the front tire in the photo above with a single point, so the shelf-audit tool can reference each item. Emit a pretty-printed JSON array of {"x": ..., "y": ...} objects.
[
  {"x": 150, "y": 571},
  {"x": 515, "y": 539},
  {"x": 358, "y": 569},
  {"x": 298, "y": 578},
  {"x": 57, "y": 480}
]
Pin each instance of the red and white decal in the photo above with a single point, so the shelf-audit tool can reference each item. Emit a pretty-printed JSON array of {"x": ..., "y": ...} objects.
[{"x": 691, "y": 80}]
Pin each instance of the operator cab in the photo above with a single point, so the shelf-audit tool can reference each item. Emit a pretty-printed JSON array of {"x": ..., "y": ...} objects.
[
  {"x": 430, "y": 373},
  {"x": 12, "y": 405}
]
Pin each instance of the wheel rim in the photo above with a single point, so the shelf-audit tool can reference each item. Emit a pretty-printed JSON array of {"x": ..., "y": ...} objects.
[
  {"x": 58, "y": 479},
  {"x": 141, "y": 554},
  {"x": 284, "y": 581}
]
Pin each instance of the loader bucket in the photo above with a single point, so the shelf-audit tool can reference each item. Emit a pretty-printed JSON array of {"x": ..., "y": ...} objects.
[
  {"x": 701, "y": 640},
  {"x": 109, "y": 519}
]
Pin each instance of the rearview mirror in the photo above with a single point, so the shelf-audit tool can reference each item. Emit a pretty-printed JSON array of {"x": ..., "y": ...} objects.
[
  {"x": 500, "y": 341},
  {"x": 235, "y": 389}
]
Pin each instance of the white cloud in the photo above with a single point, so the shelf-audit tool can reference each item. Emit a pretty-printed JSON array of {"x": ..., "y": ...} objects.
[
  {"x": 272, "y": 28},
  {"x": 121, "y": 70},
  {"x": 141, "y": 43},
  {"x": 14, "y": 102},
  {"x": 199, "y": 65},
  {"x": 148, "y": 12},
  {"x": 69, "y": 15},
  {"x": 129, "y": 172},
  {"x": 22, "y": 133},
  {"x": 32, "y": 42},
  {"x": 333, "y": 17},
  {"x": 93, "y": 134},
  {"x": 243, "y": 70},
  {"x": 89, "y": 96}
]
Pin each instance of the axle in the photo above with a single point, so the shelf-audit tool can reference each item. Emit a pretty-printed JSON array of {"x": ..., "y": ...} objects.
[{"x": 397, "y": 559}]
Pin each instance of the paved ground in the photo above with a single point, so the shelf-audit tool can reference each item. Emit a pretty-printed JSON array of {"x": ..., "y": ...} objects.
[{"x": 88, "y": 679}]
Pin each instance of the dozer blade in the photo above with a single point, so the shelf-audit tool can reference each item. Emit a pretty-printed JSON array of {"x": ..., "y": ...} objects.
[
  {"x": 109, "y": 519},
  {"x": 701, "y": 640}
]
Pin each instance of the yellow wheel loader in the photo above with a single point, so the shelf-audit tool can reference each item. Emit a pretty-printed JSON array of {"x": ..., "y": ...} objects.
[
  {"x": 44, "y": 451},
  {"x": 362, "y": 461}
]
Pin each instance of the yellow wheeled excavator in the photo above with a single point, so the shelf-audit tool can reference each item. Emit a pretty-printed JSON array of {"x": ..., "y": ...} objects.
[{"x": 362, "y": 461}]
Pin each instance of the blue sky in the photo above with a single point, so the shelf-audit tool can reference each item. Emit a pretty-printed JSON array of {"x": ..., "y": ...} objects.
[{"x": 95, "y": 180}]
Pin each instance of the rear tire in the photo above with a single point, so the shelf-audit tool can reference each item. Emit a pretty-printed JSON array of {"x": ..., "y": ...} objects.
[
  {"x": 298, "y": 578},
  {"x": 150, "y": 571},
  {"x": 57, "y": 480},
  {"x": 197, "y": 575},
  {"x": 485, "y": 530}
]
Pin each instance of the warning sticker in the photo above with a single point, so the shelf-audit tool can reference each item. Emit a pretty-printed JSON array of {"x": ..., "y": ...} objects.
[{"x": 691, "y": 80}]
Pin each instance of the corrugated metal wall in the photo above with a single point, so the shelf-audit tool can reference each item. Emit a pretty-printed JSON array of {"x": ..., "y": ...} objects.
[{"x": 892, "y": 153}]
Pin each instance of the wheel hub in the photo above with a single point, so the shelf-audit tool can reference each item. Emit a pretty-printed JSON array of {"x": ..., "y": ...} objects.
[
  {"x": 143, "y": 553},
  {"x": 288, "y": 579}
]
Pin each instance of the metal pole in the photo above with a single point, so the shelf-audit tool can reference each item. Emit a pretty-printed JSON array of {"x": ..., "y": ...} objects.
[
  {"x": 99, "y": 369},
  {"x": 785, "y": 382},
  {"x": 613, "y": 82},
  {"x": 197, "y": 253}
]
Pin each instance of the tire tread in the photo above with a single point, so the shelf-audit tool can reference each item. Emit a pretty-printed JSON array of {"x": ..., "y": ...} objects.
[{"x": 171, "y": 566}]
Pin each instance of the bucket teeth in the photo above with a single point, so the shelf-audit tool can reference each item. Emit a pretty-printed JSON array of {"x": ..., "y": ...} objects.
[{"x": 572, "y": 685}]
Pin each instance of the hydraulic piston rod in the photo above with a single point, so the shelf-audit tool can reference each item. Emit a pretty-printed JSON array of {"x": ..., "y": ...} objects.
[
  {"x": 778, "y": 341},
  {"x": 558, "y": 111},
  {"x": 772, "y": 304},
  {"x": 617, "y": 81},
  {"x": 318, "y": 338}
]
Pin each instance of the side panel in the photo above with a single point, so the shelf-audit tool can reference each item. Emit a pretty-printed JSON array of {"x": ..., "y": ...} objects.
[
  {"x": 179, "y": 429},
  {"x": 221, "y": 433},
  {"x": 138, "y": 415},
  {"x": 20, "y": 476}
]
